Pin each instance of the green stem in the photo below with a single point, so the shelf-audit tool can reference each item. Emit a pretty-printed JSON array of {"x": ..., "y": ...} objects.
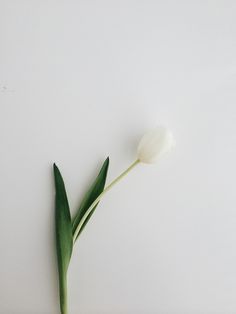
[
  {"x": 123, "y": 174},
  {"x": 63, "y": 294}
]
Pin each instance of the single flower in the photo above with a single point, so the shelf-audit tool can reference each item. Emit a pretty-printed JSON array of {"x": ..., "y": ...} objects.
[{"x": 154, "y": 144}]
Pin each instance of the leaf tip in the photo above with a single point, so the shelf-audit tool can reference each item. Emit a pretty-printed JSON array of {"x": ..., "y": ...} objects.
[
  {"x": 107, "y": 160},
  {"x": 56, "y": 171}
]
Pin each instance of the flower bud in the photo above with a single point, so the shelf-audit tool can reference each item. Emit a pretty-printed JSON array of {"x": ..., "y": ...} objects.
[{"x": 154, "y": 144}]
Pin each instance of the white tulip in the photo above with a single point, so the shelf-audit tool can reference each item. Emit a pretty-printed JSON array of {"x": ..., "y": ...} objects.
[{"x": 154, "y": 144}]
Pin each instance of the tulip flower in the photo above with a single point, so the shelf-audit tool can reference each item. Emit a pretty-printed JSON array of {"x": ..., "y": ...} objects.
[{"x": 153, "y": 145}]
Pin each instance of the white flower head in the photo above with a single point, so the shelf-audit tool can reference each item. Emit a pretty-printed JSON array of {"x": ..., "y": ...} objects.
[{"x": 154, "y": 144}]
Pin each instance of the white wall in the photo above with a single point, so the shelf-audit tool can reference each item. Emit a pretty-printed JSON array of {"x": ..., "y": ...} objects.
[{"x": 80, "y": 80}]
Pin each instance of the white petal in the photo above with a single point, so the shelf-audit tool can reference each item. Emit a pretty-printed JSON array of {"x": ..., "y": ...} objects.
[{"x": 154, "y": 144}]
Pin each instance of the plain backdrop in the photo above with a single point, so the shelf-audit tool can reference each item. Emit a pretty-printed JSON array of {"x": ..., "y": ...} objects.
[{"x": 81, "y": 80}]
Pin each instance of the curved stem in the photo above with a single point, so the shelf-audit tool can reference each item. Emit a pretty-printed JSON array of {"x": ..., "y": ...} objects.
[{"x": 123, "y": 174}]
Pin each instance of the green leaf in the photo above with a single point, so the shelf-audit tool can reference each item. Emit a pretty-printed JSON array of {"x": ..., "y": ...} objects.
[
  {"x": 94, "y": 191},
  {"x": 64, "y": 238}
]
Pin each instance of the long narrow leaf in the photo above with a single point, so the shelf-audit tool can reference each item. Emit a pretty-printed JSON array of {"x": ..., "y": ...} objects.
[
  {"x": 94, "y": 191},
  {"x": 64, "y": 239}
]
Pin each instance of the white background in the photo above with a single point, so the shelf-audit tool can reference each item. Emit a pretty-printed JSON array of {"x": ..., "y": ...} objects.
[{"x": 80, "y": 80}]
